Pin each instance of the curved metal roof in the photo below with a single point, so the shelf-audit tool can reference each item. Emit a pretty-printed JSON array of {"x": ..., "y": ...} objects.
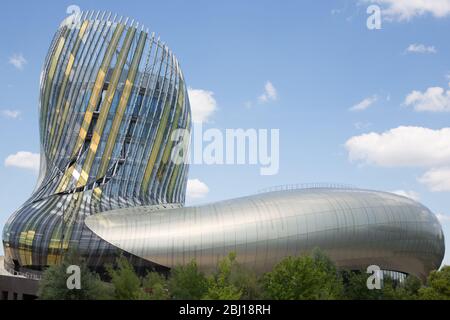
[{"x": 356, "y": 228}]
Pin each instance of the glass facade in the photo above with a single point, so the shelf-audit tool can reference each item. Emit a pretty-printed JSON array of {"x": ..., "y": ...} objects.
[{"x": 111, "y": 95}]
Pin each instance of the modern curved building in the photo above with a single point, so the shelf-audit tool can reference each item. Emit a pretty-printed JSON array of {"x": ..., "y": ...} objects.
[
  {"x": 356, "y": 228},
  {"x": 112, "y": 95}
]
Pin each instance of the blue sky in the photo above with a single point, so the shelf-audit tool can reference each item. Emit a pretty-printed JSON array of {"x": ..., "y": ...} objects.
[{"x": 356, "y": 106}]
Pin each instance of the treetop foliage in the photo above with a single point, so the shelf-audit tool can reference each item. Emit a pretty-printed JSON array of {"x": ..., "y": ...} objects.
[{"x": 311, "y": 276}]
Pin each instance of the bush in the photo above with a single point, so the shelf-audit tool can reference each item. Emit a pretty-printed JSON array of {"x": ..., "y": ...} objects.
[
  {"x": 155, "y": 287},
  {"x": 187, "y": 282},
  {"x": 220, "y": 286},
  {"x": 438, "y": 285},
  {"x": 127, "y": 285},
  {"x": 309, "y": 277},
  {"x": 53, "y": 286}
]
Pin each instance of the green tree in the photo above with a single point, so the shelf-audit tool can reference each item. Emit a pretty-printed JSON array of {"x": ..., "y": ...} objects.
[
  {"x": 409, "y": 289},
  {"x": 355, "y": 286},
  {"x": 247, "y": 281},
  {"x": 391, "y": 290},
  {"x": 412, "y": 286},
  {"x": 309, "y": 277},
  {"x": 220, "y": 286},
  {"x": 438, "y": 285},
  {"x": 155, "y": 286},
  {"x": 54, "y": 283},
  {"x": 126, "y": 283},
  {"x": 186, "y": 282}
]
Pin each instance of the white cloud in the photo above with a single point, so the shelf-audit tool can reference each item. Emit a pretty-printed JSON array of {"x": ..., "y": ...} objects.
[
  {"x": 420, "y": 48},
  {"x": 363, "y": 105},
  {"x": 18, "y": 61},
  {"x": 407, "y": 147},
  {"x": 270, "y": 93},
  {"x": 437, "y": 179},
  {"x": 402, "y": 146},
  {"x": 435, "y": 99},
  {"x": 404, "y": 10},
  {"x": 10, "y": 114},
  {"x": 24, "y": 160},
  {"x": 196, "y": 189},
  {"x": 409, "y": 194},
  {"x": 442, "y": 217},
  {"x": 203, "y": 104}
]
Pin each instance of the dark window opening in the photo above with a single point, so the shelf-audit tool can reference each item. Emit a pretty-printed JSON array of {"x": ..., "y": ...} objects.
[{"x": 16, "y": 265}]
